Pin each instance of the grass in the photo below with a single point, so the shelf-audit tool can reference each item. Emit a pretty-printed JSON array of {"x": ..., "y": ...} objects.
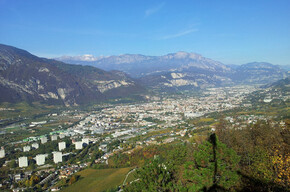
[
  {"x": 98, "y": 180},
  {"x": 206, "y": 119}
]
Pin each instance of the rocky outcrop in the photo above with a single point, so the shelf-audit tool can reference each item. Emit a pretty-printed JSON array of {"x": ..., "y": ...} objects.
[{"x": 25, "y": 77}]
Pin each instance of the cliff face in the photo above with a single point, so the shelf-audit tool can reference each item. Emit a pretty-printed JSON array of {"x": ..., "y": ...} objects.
[{"x": 25, "y": 77}]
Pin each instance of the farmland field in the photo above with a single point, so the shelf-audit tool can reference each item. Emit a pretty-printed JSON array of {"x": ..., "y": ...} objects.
[{"x": 98, "y": 180}]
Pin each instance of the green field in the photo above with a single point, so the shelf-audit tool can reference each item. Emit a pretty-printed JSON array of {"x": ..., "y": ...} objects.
[{"x": 98, "y": 180}]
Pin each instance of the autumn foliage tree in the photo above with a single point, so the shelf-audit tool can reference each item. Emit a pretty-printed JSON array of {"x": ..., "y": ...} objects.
[
  {"x": 281, "y": 164},
  {"x": 264, "y": 150},
  {"x": 73, "y": 179}
]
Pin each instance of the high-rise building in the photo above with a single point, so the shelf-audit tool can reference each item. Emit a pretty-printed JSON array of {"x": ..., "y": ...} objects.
[
  {"x": 22, "y": 161},
  {"x": 26, "y": 148},
  {"x": 79, "y": 145},
  {"x": 54, "y": 137},
  {"x": 2, "y": 153},
  {"x": 43, "y": 140},
  {"x": 57, "y": 156},
  {"x": 35, "y": 145},
  {"x": 40, "y": 159},
  {"x": 61, "y": 146}
]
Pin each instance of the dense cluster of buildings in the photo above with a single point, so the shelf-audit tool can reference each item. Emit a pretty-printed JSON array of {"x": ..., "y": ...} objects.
[
  {"x": 169, "y": 112},
  {"x": 128, "y": 120}
]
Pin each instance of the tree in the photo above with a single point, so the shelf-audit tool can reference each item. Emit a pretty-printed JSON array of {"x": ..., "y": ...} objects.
[
  {"x": 177, "y": 154},
  {"x": 45, "y": 186},
  {"x": 12, "y": 164},
  {"x": 34, "y": 179},
  {"x": 73, "y": 179},
  {"x": 261, "y": 165},
  {"x": 27, "y": 183},
  {"x": 155, "y": 176},
  {"x": 263, "y": 148},
  {"x": 282, "y": 168},
  {"x": 38, "y": 186},
  {"x": 214, "y": 166},
  {"x": 31, "y": 183}
]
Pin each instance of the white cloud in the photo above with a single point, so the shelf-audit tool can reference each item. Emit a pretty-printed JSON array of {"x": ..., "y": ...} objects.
[
  {"x": 182, "y": 33},
  {"x": 153, "y": 10}
]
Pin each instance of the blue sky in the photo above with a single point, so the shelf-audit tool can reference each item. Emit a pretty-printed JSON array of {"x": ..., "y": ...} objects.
[{"x": 230, "y": 31}]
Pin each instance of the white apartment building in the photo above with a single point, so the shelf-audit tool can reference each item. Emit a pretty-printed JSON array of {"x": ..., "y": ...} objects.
[
  {"x": 2, "y": 153},
  {"x": 43, "y": 140},
  {"x": 57, "y": 157},
  {"x": 22, "y": 161},
  {"x": 61, "y": 146},
  {"x": 54, "y": 137},
  {"x": 40, "y": 159},
  {"x": 35, "y": 145},
  {"x": 79, "y": 145},
  {"x": 26, "y": 148}
]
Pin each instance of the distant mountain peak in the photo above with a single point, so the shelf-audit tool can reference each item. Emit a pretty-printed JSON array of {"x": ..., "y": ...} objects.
[
  {"x": 183, "y": 55},
  {"x": 264, "y": 65},
  {"x": 85, "y": 57}
]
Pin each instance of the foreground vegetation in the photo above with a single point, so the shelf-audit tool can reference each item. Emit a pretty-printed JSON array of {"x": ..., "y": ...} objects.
[
  {"x": 262, "y": 165},
  {"x": 253, "y": 158}
]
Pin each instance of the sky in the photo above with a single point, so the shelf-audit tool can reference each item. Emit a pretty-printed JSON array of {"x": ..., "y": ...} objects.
[{"x": 230, "y": 31}]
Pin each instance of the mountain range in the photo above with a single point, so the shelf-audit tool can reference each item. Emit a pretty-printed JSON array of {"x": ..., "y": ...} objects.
[
  {"x": 25, "y": 77},
  {"x": 137, "y": 65},
  {"x": 183, "y": 70},
  {"x": 81, "y": 80}
]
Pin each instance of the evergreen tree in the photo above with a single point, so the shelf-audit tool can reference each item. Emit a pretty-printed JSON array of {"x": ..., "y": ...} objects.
[
  {"x": 214, "y": 166},
  {"x": 155, "y": 176},
  {"x": 12, "y": 164}
]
